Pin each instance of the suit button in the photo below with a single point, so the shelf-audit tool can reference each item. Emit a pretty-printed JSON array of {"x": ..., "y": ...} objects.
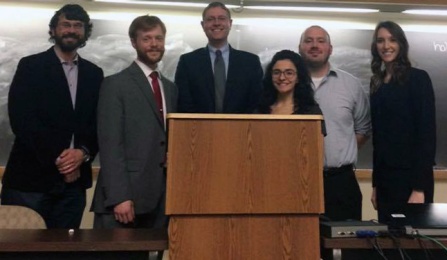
[{"x": 162, "y": 143}]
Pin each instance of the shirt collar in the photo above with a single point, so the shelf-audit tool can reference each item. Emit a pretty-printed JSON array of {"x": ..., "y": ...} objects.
[
  {"x": 75, "y": 61},
  {"x": 146, "y": 70},
  {"x": 332, "y": 70},
  {"x": 223, "y": 49}
]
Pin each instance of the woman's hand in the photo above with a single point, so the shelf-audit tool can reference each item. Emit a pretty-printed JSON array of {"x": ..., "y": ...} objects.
[
  {"x": 417, "y": 197},
  {"x": 373, "y": 198}
]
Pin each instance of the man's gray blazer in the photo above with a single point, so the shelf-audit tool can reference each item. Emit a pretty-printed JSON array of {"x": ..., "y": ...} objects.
[{"x": 132, "y": 141}]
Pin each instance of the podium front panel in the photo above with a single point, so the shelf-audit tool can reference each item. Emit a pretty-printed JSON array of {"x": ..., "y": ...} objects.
[
  {"x": 245, "y": 165},
  {"x": 256, "y": 237}
]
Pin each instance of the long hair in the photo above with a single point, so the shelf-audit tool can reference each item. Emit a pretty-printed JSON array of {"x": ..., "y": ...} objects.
[
  {"x": 303, "y": 94},
  {"x": 402, "y": 63}
]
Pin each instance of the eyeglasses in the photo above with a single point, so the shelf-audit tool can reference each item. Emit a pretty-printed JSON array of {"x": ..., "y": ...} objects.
[
  {"x": 66, "y": 25},
  {"x": 288, "y": 74}
]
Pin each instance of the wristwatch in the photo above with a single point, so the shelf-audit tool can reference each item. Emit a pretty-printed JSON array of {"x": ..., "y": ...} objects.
[{"x": 85, "y": 151}]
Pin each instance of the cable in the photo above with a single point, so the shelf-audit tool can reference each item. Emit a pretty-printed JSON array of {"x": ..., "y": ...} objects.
[
  {"x": 376, "y": 246},
  {"x": 402, "y": 252},
  {"x": 439, "y": 243},
  {"x": 427, "y": 253}
]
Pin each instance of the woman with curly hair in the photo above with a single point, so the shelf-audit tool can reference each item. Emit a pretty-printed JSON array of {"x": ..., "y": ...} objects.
[
  {"x": 404, "y": 125},
  {"x": 287, "y": 86}
]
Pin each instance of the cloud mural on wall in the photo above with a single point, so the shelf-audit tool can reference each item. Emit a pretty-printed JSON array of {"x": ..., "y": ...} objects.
[{"x": 110, "y": 48}]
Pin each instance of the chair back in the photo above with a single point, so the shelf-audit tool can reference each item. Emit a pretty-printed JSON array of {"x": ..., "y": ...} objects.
[{"x": 18, "y": 217}]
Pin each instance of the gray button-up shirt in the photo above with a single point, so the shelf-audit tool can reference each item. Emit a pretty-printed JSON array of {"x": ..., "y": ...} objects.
[{"x": 345, "y": 107}]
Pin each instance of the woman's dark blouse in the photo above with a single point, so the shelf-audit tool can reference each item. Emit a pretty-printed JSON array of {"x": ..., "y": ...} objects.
[
  {"x": 311, "y": 110},
  {"x": 404, "y": 129}
]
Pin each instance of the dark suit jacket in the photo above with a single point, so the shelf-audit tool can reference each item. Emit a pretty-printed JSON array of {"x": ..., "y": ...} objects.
[
  {"x": 404, "y": 131},
  {"x": 43, "y": 121},
  {"x": 132, "y": 141},
  {"x": 195, "y": 80}
]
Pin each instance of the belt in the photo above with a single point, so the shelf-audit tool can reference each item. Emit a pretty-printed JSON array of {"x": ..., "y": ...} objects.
[{"x": 330, "y": 171}]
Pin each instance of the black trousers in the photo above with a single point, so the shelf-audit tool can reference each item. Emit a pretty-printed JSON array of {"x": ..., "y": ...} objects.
[
  {"x": 394, "y": 187},
  {"x": 60, "y": 208},
  {"x": 342, "y": 198},
  {"x": 342, "y": 195}
]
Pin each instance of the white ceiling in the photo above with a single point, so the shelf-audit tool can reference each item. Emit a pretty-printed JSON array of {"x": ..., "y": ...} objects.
[{"x": 331, "y": 3}]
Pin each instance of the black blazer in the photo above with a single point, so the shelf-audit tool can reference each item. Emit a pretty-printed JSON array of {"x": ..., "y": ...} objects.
[
  {"x": 404, "y": 130},
  {"x": 195, "y": 81},
  {"x": 43, "y": 121}
]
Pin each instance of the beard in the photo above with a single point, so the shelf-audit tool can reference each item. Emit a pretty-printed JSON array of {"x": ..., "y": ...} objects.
[
  {"x": 69, "y": 46},
  {"x": 150, "y": 61},
  {"x": 315, "y": 64}
]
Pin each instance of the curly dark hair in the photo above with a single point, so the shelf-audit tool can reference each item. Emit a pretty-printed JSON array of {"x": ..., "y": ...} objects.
[
  {"x": 303, "y": 93},
  {"x": 72, "y": 12},
  {"x": 402, "y": 63}
]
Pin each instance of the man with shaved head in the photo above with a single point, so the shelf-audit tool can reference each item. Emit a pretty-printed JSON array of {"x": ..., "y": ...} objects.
[{"x": 345, "y": 108}]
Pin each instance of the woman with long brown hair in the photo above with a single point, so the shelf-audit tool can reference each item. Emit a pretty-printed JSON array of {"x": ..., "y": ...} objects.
[{"x": 404, "y": 124}]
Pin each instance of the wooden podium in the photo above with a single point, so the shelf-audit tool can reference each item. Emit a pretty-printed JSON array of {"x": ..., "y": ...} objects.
[{"x": 244, "y": 186}]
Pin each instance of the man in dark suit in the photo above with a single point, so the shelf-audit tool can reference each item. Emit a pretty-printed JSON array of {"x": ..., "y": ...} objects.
[
  {"x": 195, "y": 77},
  {"x": 52, "y": 109},
  {"x": 133, "y": 104}
]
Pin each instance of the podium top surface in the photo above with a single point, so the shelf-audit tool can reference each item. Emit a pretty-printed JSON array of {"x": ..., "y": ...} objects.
[{"x": 243, "y": 116}]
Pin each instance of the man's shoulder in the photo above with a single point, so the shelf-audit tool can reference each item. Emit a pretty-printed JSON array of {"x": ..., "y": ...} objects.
[
  {"x": 244, "y": 54},
  {"x": 125, "y": 73},
  {"x": 132, "y": 71},
  {"x": 194, "y": 53},
  {"x": 89, "y": 64},
  {"x": 344, "y": 74},
  {"x": 36, "y": 57},
  {"x": 347, "y": 78}
]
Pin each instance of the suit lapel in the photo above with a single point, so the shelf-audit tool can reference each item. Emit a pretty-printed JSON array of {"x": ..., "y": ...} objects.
[
  {"x": 60, "y": 84},
  {"x": 167, "y": 94},
  {"x": 232, "y": 73},
  {"x": 206, "y": 70},
  {"x": 143, "y": 84},
  {"x": 82, "y": 87}
]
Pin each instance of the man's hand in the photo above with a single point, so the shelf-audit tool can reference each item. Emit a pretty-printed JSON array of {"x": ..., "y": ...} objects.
[
  {"x": 124, "y": 212},
  {"x": 72, "y": 176},
  {"x": 69, "y": 160}
]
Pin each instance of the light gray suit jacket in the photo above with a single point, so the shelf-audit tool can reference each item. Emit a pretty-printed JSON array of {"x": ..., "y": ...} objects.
[{"x": 132, "y": 141}]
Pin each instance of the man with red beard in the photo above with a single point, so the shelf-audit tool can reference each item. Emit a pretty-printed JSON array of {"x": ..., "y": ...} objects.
[
  {"x": 52, "y": 109},
  {"x": 206, "y": 87},
  {"x": 130, "y": 192}
]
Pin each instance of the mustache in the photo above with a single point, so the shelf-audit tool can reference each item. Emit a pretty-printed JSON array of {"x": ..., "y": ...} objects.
[{"x": 70, "y": 35}]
